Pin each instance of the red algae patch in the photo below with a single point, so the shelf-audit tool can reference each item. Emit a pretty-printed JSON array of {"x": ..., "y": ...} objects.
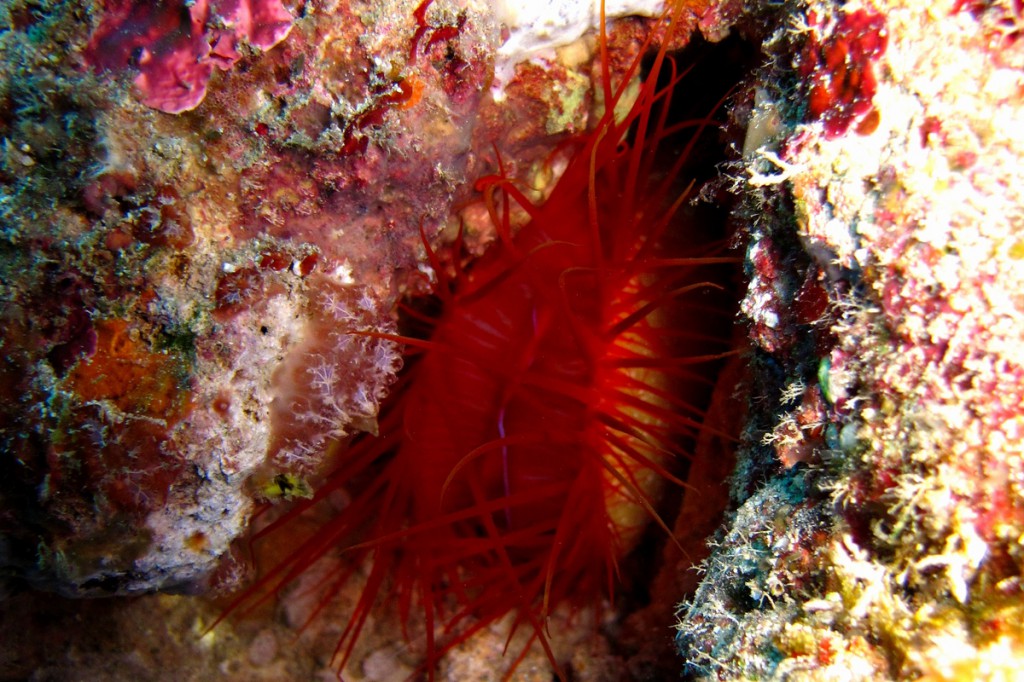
[
  {"x": 174, "y": 46},
  {"x": 124, "y": 372},
  {"x": 838, "y": 66},
  {"x": 151, "y": 392}
]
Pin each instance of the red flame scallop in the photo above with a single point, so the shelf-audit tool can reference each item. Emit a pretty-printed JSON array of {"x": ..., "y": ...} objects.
[{"x": 528, "y": 444}]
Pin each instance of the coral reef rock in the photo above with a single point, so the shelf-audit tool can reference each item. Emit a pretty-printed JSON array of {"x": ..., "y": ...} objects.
[
  {"x": 209, "y": 211},
  {"x": 880, "y": 485}
]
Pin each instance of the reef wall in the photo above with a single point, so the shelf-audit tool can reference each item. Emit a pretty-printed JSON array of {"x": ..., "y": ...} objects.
[
  {"x": 879, "y": 527},
  {"x": 200, "y": 202}
]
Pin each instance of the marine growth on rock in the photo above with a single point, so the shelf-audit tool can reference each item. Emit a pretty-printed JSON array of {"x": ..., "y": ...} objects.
[{"x": 246, "y": 243}]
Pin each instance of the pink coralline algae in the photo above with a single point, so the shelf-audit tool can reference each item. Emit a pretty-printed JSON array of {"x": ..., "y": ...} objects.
[
  {"x": 1001, "y": 22},
  {"x": 769, "y": 302},
  {"x": 175, "y": 45},
  {"x": 837, "y": 63}
]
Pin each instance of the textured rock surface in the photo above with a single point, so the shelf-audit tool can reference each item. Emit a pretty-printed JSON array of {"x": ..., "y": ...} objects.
[
  {"x": 884, "y": 212},
  {"x": 179, "y": 290}
]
